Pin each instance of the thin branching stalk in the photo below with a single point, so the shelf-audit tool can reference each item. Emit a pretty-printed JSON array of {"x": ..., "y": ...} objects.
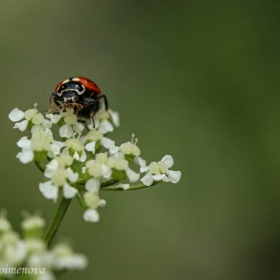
[{"x": 57, "y": 219}]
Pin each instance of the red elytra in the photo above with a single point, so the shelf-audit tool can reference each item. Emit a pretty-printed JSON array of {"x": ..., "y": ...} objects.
[{"x": 87, "y": 83}]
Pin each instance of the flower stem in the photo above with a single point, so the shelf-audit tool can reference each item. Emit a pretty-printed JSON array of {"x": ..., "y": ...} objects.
[
  {"x": 57, "y": 219},
  {"x": 41, "y": 166},
  {"x": 81, "y": 200},
  {"x": 104, "y": 184},
  {"x": 131, "y": 188},
  {"x": 108, "y": 183}
]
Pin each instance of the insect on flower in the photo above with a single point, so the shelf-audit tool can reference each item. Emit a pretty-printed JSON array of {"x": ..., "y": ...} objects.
[{"x": 79, "y": 93}]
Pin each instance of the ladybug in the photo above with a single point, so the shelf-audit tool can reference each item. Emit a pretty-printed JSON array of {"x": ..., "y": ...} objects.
[{"x": 79, "y": 93}]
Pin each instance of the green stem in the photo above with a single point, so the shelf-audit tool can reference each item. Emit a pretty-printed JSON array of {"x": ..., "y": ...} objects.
[
  {"x": 57, "y": 219},
  {"x": 41, "y": 166},
  {"x": 131, "y": 188},
  {"x": 81, "y": 200},
  {"x": 108, "y": 183}
]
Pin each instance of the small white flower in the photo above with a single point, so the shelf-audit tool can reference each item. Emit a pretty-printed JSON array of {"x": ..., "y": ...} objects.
[
  {"x": 24, "y": 143},
  {"x": 71, "y": 119},
  {"x": 103, "y": 120},
  {"x": 105, "y": 126},
  {"x": 115, "y": 117},
  {"x": 147, "y": 180},
  {"x": 66, "y": 159},
  {"x": 80, "y": 157},
  {"x": 14, "y": 249},
  {"x": 55, "y": 148},
  {"x": 16, "y": 115},
  {"x": 64, "y": 258},
  {"x": 91, "y": 215},
  {"x": 107, "y": 143},
  {"x": 102, "y": 203},
  {"x": 130, "y": 148},
  {"x": 25, "y": 156},
  {"x": 131, "y": 175},
  {"x": 31, "y": 115},
  {"x": 21, "y": 125},
  {"x": 66, "y": 131},
  {"x": 92, "y": 200},
  {"x": 46, "y": 124},
  {"x": 78, "y": 127},
  {"x": 75, "y": 144},
  {"x": 37, "y": 128},
  {"x": 92, "y": 185},
  {"x": 94, "y": 135},
  {"x": 94, "y": 168},
  {"x": 140, "y": 161},
  {"x": 51, "y": 168},
  {"x": 123, "y": 186},
  {"x": 4, "y": 224},
  {"x": 49, "y": 190},
  {"x": 59, "y": 177},
  {"x": 102, "y": 114},
  {"x": 70, "y": 123},
  {"x": 32, "y": 252},
  {"x": 77, "y": 147},
  {"x": 68, "y": 191},
  {"x": 90, "y": 147},
  {"x": 34, "y": 245},
  {"x": 97, "y": 169},
  {"x": 41, "y": 141},
  {"x": 46, "y": 276},
  {"x": 33, "y": 222},
  {"x": 114, "y": 149},
  {"x": 106, "y": 171},
  {"x": 159, "y": 171},
  {"x": 58, "y": 174},
  {"x": 55, "y": 118},
  {"x": 102, "y": 158},
  {"x": 71, "y": 175},
  {"x": 118, "y": 162}
]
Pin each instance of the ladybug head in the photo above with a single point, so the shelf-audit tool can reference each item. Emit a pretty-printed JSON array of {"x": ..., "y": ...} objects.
[{"x": 70, "y": 92}]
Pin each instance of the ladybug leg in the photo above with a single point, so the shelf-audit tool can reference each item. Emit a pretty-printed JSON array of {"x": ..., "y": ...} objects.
[
  {"x": 52, "y": 100},
  {"x": 84, "y": 123},
  {"x": 91, "y": 104},
  {"x": 92, "y": 111},
  {"x": 58, "y": 105},
  {"x": 105, "y": 101},
  {"x": 100, "y": 96}
]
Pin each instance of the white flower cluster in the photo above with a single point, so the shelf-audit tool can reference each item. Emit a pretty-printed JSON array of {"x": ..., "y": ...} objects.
[
  {"x": 29, "y": 255},
  {"x": 84, "y": 158},
  {"x": 159, "y": 171}
]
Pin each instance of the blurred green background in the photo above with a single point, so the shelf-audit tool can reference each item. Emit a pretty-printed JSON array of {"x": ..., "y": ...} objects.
[{"x": 195, "y": 79}]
